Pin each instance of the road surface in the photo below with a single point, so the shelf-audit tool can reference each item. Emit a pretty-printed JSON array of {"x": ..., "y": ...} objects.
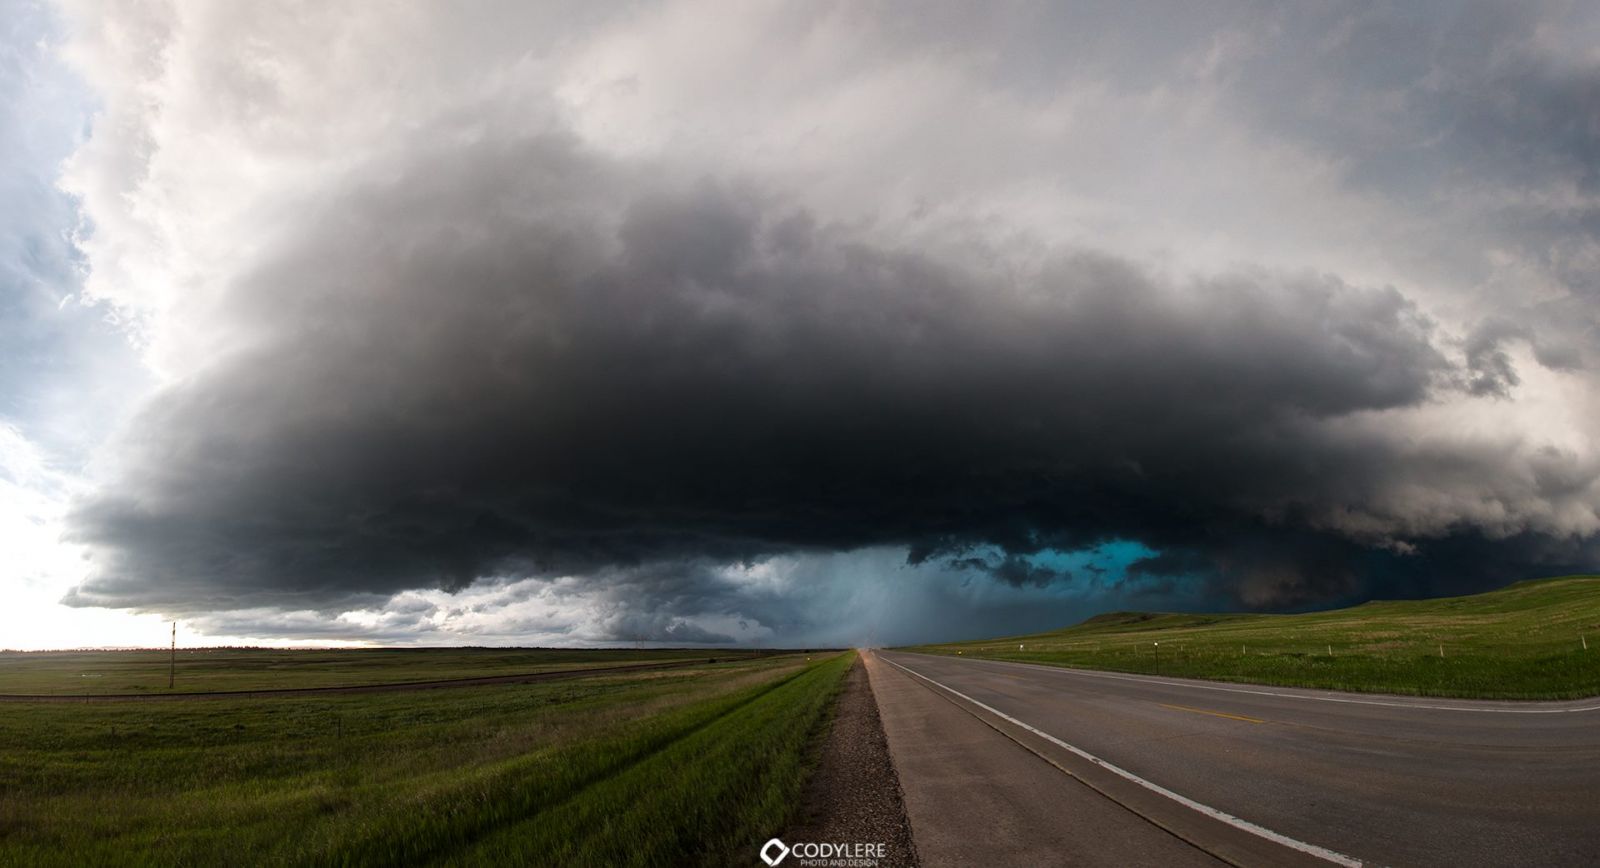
[{"x": 1008, "y": 763}]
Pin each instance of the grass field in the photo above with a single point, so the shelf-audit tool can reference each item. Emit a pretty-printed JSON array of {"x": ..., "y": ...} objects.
[
  {"x": 694, "y": 765},
  {"x": 206, "y": 669},
  {"x": 1526, "y": 641}
]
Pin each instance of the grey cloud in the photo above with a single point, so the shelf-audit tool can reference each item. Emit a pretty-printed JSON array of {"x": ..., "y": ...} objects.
[
  {"x": 305, "y": 624},
  {"x": 1489, "y": 368},
  {"x": 658, "y": 628},
  {"x": 1558, "y": 356},
  {"x": 1492, "y": 372}
]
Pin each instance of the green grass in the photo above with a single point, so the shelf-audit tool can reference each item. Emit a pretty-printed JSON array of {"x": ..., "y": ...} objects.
[
  {"x": 1525, "y": 641},
  {"x": 697, "y": 765},
  {"x": 203, "y": 669}
]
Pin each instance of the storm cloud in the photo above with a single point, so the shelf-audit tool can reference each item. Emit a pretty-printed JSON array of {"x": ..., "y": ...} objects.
[{"x": 485, "y": 346}]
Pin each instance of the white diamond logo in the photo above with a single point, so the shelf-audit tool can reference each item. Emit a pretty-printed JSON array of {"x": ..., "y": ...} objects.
[{"x": 773, "y": 851}]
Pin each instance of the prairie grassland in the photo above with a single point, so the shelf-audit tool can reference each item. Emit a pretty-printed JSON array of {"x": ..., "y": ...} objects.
[
  {"x": 696, "y": 765},
  {"x": 1526, "y": 641},
  {"x": 206, "y": 669}
]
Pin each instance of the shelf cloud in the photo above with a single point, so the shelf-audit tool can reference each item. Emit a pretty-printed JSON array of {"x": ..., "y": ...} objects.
[{"x": 670, "y": 322}]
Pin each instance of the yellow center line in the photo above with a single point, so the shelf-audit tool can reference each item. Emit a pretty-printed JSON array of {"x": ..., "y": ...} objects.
[{"x": 1213, "y": 713}]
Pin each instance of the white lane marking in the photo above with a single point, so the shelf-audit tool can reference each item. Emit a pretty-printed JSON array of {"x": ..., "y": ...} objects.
[
  {"x": 1065, "y": 670},
  {"x": 1236, "y": 822}
]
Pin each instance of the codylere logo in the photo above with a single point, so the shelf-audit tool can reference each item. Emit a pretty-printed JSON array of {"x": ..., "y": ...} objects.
[
  {"x": 827, "y": 853},
  {"x": 773, "y": 852}
]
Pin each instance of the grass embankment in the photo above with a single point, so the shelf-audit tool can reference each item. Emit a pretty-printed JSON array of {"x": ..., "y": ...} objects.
[
  {"x": 686, "y": 766},
  {"x": 206, "y": 669},
  {"x": 1522, "y": 642}
]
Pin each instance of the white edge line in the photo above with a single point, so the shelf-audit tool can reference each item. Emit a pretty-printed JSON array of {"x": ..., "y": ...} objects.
[
  {"x": 1145, "y": 679},
  {"x": 1244, "y": 825}
]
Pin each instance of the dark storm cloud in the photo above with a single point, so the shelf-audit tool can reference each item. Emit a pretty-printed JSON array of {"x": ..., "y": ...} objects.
[
  {"x": 477, "y": 353},
  {"x": 505, "y": 364},
  {"x": 1014, "y": 570}
]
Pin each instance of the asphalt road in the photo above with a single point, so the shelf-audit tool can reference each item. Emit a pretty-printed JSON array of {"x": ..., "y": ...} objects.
[{"x": 1008, "y": 763}]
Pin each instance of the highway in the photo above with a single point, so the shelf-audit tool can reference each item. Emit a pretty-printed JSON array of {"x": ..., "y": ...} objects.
[{"x": 1008, "y": 763}]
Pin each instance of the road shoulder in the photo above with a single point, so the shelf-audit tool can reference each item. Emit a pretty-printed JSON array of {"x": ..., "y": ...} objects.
[
  {"x": 854, "y": 795},
  {"x": 975, "y": 797}
]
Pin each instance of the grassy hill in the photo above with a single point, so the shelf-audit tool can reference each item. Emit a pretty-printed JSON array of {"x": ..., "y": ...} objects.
[{"x": 1526, "y": 641}]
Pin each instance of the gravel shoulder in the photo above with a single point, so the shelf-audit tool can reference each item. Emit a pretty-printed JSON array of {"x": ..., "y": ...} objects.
[{"x": 855, "y": 795}]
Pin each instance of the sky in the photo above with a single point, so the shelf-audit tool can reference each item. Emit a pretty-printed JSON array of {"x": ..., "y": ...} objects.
[{"x": 785, "y": 323}]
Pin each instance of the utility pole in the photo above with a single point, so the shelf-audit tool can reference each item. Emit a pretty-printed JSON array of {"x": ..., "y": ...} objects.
[{"x": 172, "y": 666}]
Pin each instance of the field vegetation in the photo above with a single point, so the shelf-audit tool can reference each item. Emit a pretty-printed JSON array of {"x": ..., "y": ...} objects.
[
  {"x": 209, "y": 669},
  {"x": 693, "y": 765},
  {"x": 1532, "y": 640}
]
